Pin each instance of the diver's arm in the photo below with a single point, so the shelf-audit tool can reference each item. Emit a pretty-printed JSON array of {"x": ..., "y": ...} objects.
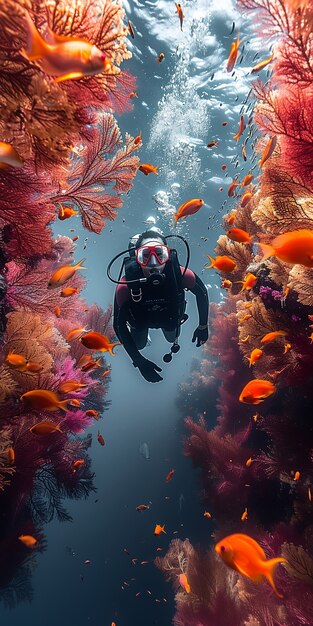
[
  {"x": 122, "y": 332},
  {"x": 200, "y": 291}
]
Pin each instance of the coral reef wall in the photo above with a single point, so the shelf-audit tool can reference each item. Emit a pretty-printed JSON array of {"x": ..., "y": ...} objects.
[
  {"x": 256, "y": 455},
  {"x": 61, "y": 154}
]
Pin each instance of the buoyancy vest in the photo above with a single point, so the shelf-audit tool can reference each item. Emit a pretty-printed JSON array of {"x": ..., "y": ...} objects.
[{"x": 156, "y": 306}]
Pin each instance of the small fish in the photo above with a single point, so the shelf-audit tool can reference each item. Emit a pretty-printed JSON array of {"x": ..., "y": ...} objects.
[
  {"x": 87, "y": 562},
  {"x": 232, "y": 28},
  {"x": 184, "y": 582},
  {"x": 223, "y": 263},
  {"x": 92, "y": 413},
  {"x": 75, "y": 238},
  {"x": 188, "y": 208},
  {"x": 296, "y": 476},
  {"x": 295, "y": 247},
  {"x": 259, "y": 66},
  {"x": 70, "y": 385},
  {"x": 231, "y": 61},
  {"x": 66, "y": 57},
  {"x": 287, "y": 347},
  {"x": 57, "y": 310},
  {"x": 11, "y": 455},
  {"x": 100, "y": 439},
  {"x": 242, "y": 127},
  {"x": 249, "y": 281},
  {"x": 245, "y": 318},
  {"x": 75, "y": 402},
  {"x": 207, "y": 514},
  {"x": 239, "y": 235},
  {"x": 170, "y": 475},
  {"x": 244, "y": 152},
  {"x": 249, "y": 462},
  {"x": 131, "y": 30},
  {"x": 144, "y": 562},
  {"x": 16, "y": 360},
  {"x": 64, "y": 273},
  {"x": 137, "y": 139},
  {"x": 43, "y": 400},
  {"x": 247, "y": 180},
  {"x": 91, "y": 365},
  {"x": 106, "y": 373},
  {"x": 142, "y": 507},
  {"x": 181, "y": 16},
  {"x": 246, "y": 198},
  {"x": 69, "y": 291},
  {"x": 133, "y": 94},
  {"x": 224, "y": 123},
  {"x": 77, "y": 464},
  {"x": 9, "y": 156},
  {"x": 212, "y": 144},
  {"x": 84, "y": 360},
  {"x": 98, "y": 342},
  {"x": 160, "y": 58},
  {"x": 28, "y": 540},
  {"x": 159, "y": 529},
  {"x": 309, "y": 494},
  {"x": 45, "y": 428},
  {"x": 232, "y": 189},
  {"x": 76, "y": 333},
  {"x": 268, "y": 150},
  {"x": 226, "y": 284},
  {"x": 256, "y": 390},
  {"x": 243, "y": 554},
  {"x": 255, "y": 355},
  {"x": 147, "y": 168},
  {"x": 273, "y": 335},
  {"x": 244, "y": 515},
  {"x": 66, "y": 213},
  {"x": 31, "y": 366}
]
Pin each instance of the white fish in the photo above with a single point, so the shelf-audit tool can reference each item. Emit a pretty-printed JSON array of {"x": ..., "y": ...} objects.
[{"x": 144, "y": 451}]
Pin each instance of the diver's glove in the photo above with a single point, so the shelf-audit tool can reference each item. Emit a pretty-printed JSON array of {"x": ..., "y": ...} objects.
[
  {"x": 148, "y": 370},
  {"x": 201, "y": 334}
]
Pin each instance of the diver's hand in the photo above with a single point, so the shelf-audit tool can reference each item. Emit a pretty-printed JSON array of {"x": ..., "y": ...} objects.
[
  {"x": 149, "y": 370},
  {"x": 201, "y": 334}
]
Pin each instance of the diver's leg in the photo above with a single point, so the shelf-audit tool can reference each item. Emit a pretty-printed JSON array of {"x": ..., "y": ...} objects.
[
  {"x": 169, "y": 335},
  {"x": 140, "y": 336}
]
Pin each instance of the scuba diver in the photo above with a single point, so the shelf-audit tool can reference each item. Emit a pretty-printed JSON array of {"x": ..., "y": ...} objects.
[{"x": 151, "y": 294}]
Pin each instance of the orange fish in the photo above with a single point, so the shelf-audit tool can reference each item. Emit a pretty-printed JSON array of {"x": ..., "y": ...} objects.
[
  {"x": 239, "y": 235},
  {"x": 248, "y": 282},
  {"x": 77, "y": 464},
  {"x": 246, "y": 198},
  {"x": 70, "y": 385},
  {"x": 292, "y": 247},
  {"x": 309, "y": 494},
  {"x": 212, "y": 144},
  {"x": 98, "y": 342},
  {"x": 268, "y": 150},
  {"x": 45, "y": 428},
  {"x": 137, "y": 139},
  {"x": 91, "y": 365},
  {"x": 64, "y": 273},
  {"x": 226, "y": 284},
  {"x": 84, "y": 360},
  {"x": 245, "y": 555},
  {"x": 100, "y": 439},
  {"x": 57, "y": 310},
  {"x": 287, "y": 347},
  {"x": 31, "y": 366},
  {"x": 43, "y": 400},
  {"x": 184, "y": 582},
  {"x": 93, "y": 413},
  {"x": 231, "y": 61},
  {"x": 9, "y": 157},
  {"x": 159, "y": 529},
  {"x": 254, "y": 356},
  {"x": 232, "y": 189},
  {"x": 223, "y": 263},
  {"x": 296, "y": 476},
  {"x": 207, "y": 514},
  {"x": 75, "y": 402},
  {"x": 75, "y": 333},
  {"x": 16, "y": 360},
  {"x": 242, "y": 127},
  {"x": 259, "y": 66},
  {"x": 244, "y": 515},
  {"x": 28, "y": 540},
  {"x": 248, "y": 462},
  {"x": 131, "y": 30},
  {"x": 66, "y": 213},
  {"x": 106, "y": 373},
  {"x": 147, "y": 168},
  {"x": 11, "y": 455},
  {"x": 170, "y": 475},
  {"x": 188, "y": 208},
  {"x": 66, "y": 57},
  {"x": 75, "y": 238},
  {"x": 246, "y": 317},
  {"x": 181, "y": 16},
  {"x": 256, "y": 390},
  {"x": 160, "y": 58},
  {"x": 69, "y": 291},
  {"x": 133, "y": 94},
  {"x": 271, "y": 336},
  {"x": 247, "y": 180}
]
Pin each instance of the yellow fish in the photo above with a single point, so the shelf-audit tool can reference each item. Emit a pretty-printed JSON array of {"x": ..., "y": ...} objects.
[{"x": 67, "y": 58}]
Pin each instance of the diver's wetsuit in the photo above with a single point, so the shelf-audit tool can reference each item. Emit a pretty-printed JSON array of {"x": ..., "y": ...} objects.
[{"x": 157, "y": 316}]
